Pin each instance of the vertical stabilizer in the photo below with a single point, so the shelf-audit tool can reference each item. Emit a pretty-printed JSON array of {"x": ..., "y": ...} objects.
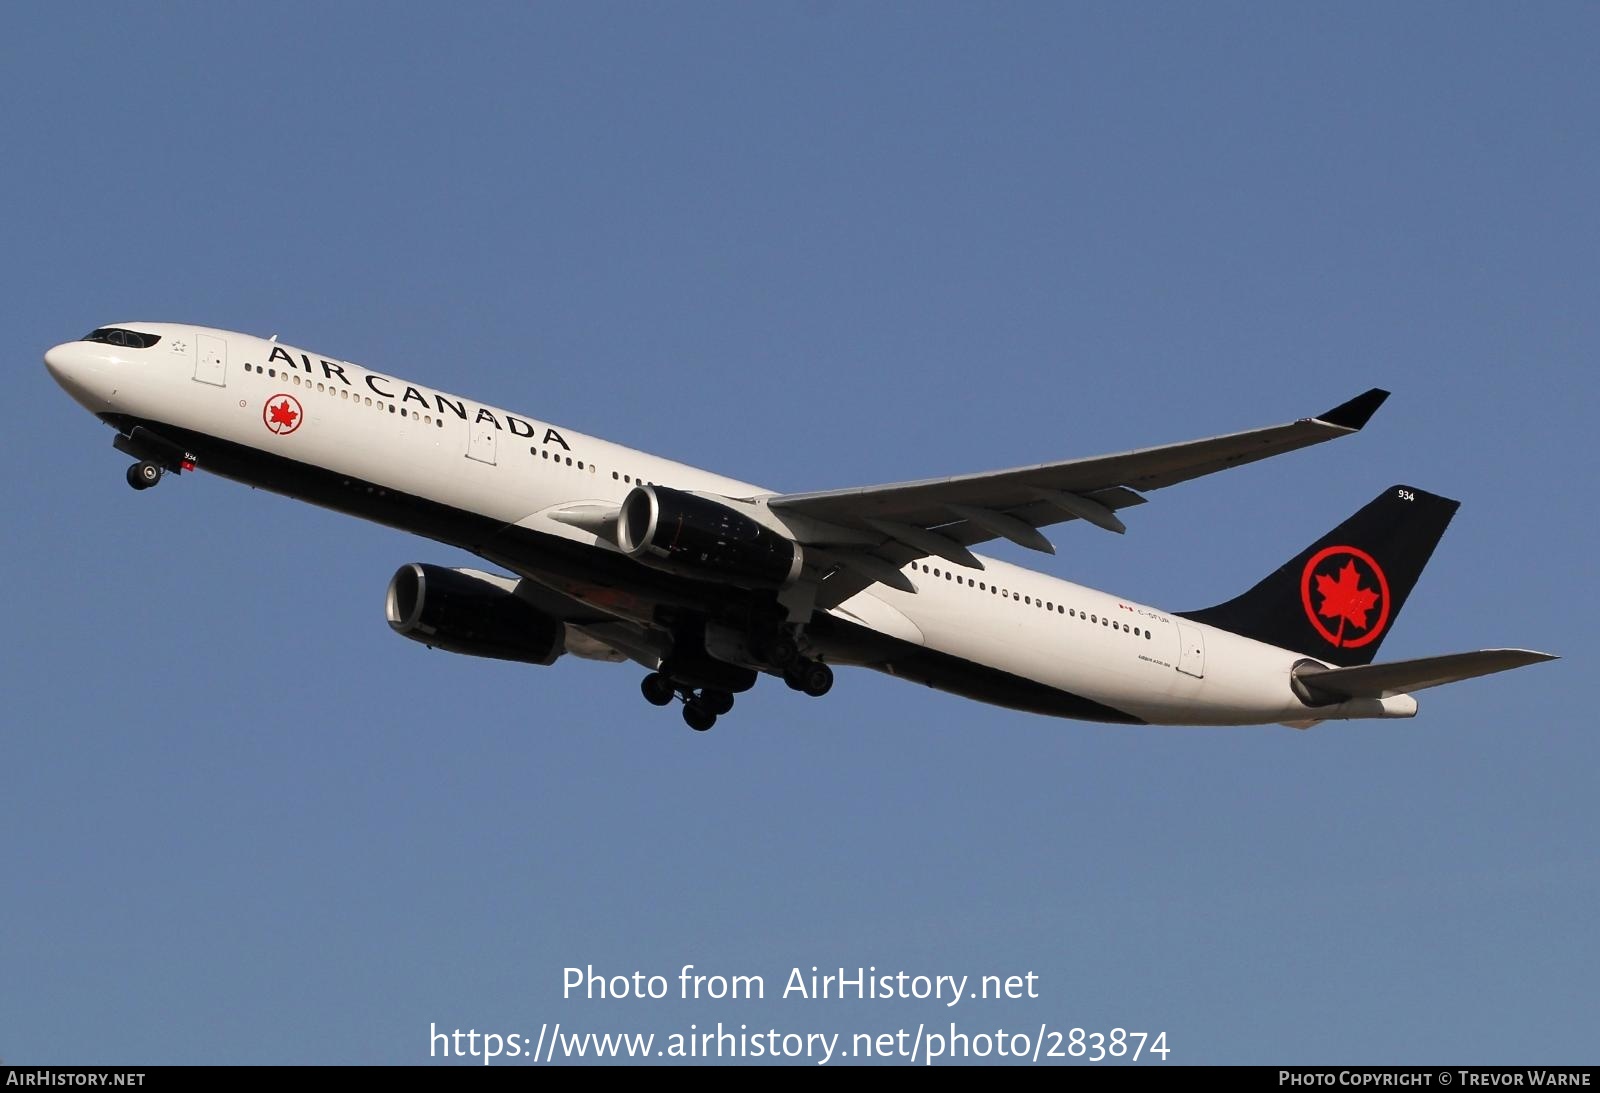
[{"x": 1337, "y": 599}]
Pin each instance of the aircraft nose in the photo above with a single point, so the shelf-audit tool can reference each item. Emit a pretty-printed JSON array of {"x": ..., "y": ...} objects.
[
  {"x": 59, "y": 359},
  {"x": 75, "y": 367}
]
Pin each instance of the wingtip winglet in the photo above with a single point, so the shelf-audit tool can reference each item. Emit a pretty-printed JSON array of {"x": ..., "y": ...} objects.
[{"x": 1357, "y": 412}]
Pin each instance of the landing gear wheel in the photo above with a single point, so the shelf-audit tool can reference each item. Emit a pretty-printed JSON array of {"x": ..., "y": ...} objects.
[
  {"x": 718, "y": 702},
  {"x": 144, "y": 474},
  {"x": 657, "y": 689},
  {"x": 782, "y": 652},
  {"x": 816, "y": 679},
  {"x": 791, "y": 676},
  {"x": 697, "y": 717}
]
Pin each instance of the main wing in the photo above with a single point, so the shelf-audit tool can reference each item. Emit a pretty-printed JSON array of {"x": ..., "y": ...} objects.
[{"x": 870, "y": 532}]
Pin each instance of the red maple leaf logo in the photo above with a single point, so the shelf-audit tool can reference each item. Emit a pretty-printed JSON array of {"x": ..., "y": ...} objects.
[
  {"x": 1343, "y": 596},
  {"x": 1345, "y": 599},
  {"x": 283, "y": 415}
]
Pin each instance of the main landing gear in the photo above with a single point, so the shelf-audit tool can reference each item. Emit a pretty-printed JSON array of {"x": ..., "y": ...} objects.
[
  {"x": 811, "y": 676},
  {"x": 781, "y": 651},
  {"x": 701, "y": 708},
  {"x": 144, "y": 474}
]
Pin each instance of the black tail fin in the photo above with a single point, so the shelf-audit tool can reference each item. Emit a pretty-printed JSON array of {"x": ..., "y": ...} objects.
[{"x": 1338, "y": 598}]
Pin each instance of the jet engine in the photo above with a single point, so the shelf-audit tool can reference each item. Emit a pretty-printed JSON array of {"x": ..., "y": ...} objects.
[
  {"x": 465, "y": 611},
  {"x": 695, "y": 536}
]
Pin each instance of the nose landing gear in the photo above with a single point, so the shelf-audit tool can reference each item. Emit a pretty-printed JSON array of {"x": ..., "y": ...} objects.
[
  {"x": 144, "y": 474},
  {"x": 156, "y": 456}
]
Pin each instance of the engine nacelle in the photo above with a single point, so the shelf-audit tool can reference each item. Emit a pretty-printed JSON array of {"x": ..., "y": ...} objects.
[
  {"x": 465, "y": 611},
  {"x": 697, "y": 537}
]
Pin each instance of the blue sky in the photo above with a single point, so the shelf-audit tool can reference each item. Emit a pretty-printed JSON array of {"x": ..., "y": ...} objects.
[{"x": 810, "y": 246}]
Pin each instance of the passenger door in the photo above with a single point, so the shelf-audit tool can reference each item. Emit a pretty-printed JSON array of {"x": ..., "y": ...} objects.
[
  {"x": 481, "y": 442},
  {"x": 1191, "y": 651},
  {"x": 211, "y": 360}
]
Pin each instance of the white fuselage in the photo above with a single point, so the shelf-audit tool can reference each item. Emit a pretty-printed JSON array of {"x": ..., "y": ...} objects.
[{"x": 513, "y": 469}]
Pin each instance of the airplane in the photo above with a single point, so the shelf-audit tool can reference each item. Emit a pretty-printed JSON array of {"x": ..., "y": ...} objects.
[{"x": 709, "y": 583}]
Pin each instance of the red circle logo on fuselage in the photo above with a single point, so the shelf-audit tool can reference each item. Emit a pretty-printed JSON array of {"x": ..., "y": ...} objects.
[
  {"x": 282, "y": 414},
  {"x": 1346, "y": 596}
]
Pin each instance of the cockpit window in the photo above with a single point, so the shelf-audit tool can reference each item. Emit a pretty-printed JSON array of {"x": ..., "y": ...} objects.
[{"x": 115, "y": 335}]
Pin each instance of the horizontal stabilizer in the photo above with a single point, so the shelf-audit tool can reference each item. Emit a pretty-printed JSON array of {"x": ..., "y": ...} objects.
[{"x": 1322, "y": 686}]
